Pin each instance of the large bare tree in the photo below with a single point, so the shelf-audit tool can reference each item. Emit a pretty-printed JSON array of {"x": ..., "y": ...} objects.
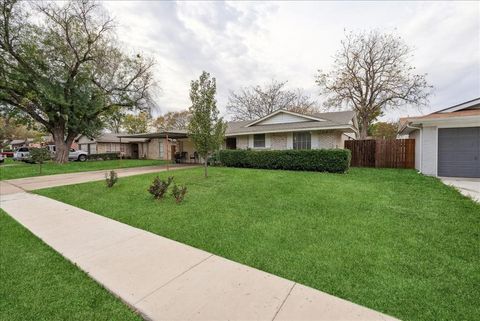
[
  {"x": 257, "y": 101},
  {"x": 371, "y": 74},
  {"x": 60, "y": 63}
]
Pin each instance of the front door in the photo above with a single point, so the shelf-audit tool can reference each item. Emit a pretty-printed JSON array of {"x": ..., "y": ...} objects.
[
  {"x": 134, "y": 151},
  {"x": 173, "y": 150}
]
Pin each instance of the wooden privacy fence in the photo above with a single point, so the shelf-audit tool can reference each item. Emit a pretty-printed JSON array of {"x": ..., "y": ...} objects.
[{"x": 393, "y": 153}]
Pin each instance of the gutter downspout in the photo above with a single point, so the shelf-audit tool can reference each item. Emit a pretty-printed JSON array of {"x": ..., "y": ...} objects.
[{"x": 421, "y": 144}]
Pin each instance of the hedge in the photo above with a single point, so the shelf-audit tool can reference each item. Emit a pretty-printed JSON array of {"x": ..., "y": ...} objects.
[
  {"x": 104, "y": 156},
  {"x": 320, "y": 160}
]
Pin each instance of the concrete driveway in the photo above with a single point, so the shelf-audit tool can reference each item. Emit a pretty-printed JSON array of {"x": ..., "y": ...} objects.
[{"x": 467, "y": 186}]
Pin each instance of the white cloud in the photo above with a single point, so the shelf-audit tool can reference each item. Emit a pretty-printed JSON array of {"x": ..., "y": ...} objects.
[{"x": 249, "y": 43}]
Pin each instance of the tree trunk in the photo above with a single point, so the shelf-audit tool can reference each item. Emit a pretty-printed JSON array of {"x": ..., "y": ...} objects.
[
  {"x": 363, "y": 132},
  {"x": 206, "y": 166},
  {"x": 62, "y": 145}
]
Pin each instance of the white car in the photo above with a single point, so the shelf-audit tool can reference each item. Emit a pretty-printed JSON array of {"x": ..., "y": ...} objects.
[
  {"x": 2, "y": 158},
  {"x": 21, "y": 154},
  {"x": 79, "y": 155}
]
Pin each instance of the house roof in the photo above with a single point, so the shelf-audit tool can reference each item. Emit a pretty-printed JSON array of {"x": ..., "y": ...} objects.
[
  {"x": 465, "y": 110},
  {"x": 474, "y": 103},
  {"x": 21, "y": 141},
  {"x": 115, "y": 138},
  {"x": 174, "y": 133},
  {"x": 304, "y": 116},
  {"x": 317, "y": 121}
]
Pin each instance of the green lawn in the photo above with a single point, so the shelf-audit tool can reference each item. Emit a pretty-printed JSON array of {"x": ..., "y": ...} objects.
[
  {"x": 392, "y": 240},
  {"x": 11, "y": 169},
  {"x": 36, "y": 283}
]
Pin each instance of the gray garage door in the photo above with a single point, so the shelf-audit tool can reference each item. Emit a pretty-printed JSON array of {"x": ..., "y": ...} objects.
[{"x": 459, "y": 152}]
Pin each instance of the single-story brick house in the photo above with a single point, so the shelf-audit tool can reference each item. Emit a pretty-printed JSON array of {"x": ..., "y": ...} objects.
[
  {"x": 447, "y": 142},
  {"x": 279, "y": 130},
  {"x": 284, "y": 129}
]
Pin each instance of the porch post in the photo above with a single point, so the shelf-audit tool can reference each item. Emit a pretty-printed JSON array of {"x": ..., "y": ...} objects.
[
  {"x": 168, "y": 151},
  {"x": 120, "y": 148}
]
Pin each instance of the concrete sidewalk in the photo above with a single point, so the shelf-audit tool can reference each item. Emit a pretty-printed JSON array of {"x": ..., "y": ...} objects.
[
  {"x": 166, "y": 280},
  {"x": 38, "y": 182}
]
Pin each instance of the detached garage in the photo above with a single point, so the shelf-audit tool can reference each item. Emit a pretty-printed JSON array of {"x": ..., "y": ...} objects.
[{"x": 447, "y": 141}]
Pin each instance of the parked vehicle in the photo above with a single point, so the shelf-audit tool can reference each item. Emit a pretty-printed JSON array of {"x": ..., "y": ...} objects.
[
  {"x": 2, "y": 158},
  {"x": 79, "y": 155},
  {"x": 21, "y": 154},
  {"x": 7, "y": 154}
]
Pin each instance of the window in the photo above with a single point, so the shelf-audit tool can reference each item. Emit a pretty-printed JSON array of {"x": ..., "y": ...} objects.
[
  {"x": 259, "y": 140},
  {"x": 231, "y": 143},
  {"x": 302, "y": 140}
]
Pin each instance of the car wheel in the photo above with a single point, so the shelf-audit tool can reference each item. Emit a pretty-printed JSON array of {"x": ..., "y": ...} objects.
[{"x": 82, "y": 158}]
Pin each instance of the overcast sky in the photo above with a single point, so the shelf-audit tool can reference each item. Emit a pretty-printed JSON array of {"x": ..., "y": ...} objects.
[{"x": 250, "y": 43}]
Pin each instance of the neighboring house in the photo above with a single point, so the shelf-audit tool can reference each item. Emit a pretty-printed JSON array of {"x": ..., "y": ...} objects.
[
  {"x": 447, "y": 142},
  {"x": 112, "y": 143},
  {"x": 279, "y": 130},
  {"x": 17, "y": 143},
  {"x": 43, "y": 141}
]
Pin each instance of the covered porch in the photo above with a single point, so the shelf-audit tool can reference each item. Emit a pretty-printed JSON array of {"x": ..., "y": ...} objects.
[{"x": 172, "y": 145}]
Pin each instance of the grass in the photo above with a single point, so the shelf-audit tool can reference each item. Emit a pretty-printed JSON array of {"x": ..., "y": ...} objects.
[
  {"x": 392, "y": 240},
  {"x": 11, "y": 169},
  {"x": 36, "y": 283}
]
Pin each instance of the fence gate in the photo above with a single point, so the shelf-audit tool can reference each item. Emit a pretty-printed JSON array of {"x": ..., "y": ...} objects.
[{"x": 392, "y": 153}]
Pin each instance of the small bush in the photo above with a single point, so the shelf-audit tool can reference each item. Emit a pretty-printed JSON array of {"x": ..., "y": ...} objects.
[
  {"x": 178, "y": 192},
  {"x": 320, "y": 160},
  {"x": 159, "y": 187},
  {"x": 111, "y": 178},
  {"x": 104, "y": 156}
]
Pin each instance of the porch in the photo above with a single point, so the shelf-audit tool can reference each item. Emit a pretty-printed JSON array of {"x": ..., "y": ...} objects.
[{"x": 173, "y": 145}]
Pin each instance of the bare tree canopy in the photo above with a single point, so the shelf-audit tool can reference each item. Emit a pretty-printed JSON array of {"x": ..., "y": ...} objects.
[
  {"x": 256, "y": 101},
  {"x": 372, "y": 74},
  {"x": 60, "y": 64}
]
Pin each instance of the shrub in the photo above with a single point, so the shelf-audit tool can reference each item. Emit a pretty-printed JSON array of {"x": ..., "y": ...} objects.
[
  {"x": 320, "y": 160},
  {"x": 159, "y": 187},
  {"x": 104, "y": 156},
  {"x": 39, "y": 156},
  {"x": 111, "y": 178},
  {"x": 178, "y": 192}
]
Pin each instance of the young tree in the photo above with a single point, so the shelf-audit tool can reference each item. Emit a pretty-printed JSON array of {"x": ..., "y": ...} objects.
[
  {"x": 371, "y": 74},
  {"x": 39, "y": 156},
  {"x": 206, "y": 128},
  {"x": 136, "y": 124},
  {"x": 172, "y": 120},
  {"x": 64, "y": 68},
  {"x": 256, "y": 101}
]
